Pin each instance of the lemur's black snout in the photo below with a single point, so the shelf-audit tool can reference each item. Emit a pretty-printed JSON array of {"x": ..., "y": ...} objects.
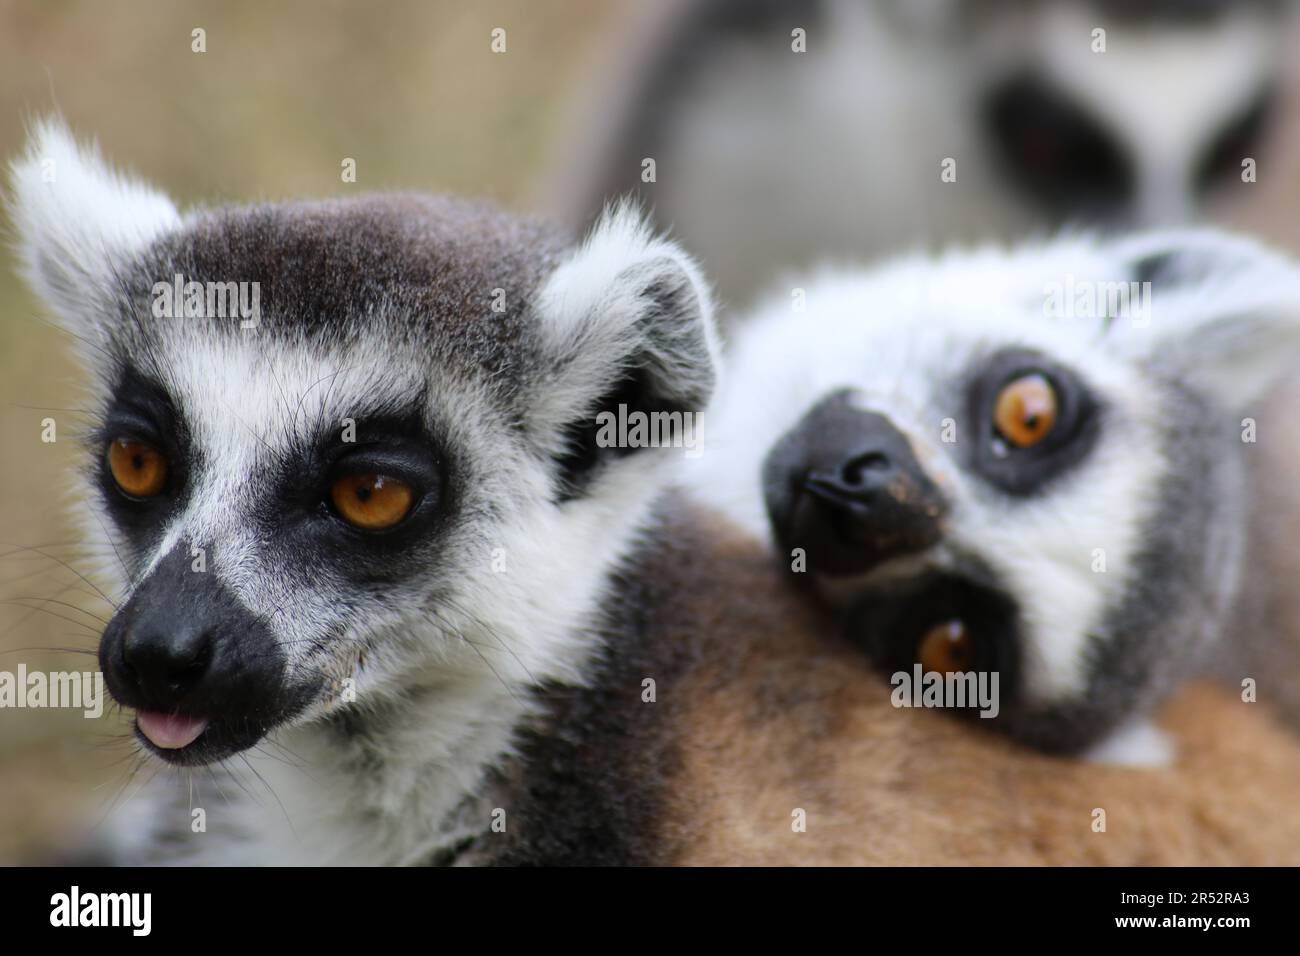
[
  {"x": 204, "y": 674},
  {"x": 167, "y": 660},
  {"x": 845, "y": 486}
]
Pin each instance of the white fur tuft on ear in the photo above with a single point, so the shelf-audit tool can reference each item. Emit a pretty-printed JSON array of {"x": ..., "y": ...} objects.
[
  {"x": 1224, "y": 311},
  {"x": 627, "y": 302},
  {"x": 76, "y": 218}
]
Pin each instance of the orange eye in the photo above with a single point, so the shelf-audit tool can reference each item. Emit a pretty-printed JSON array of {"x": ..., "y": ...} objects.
[
  {"x": 1025, "y": 411},
  {"x": 140, "y": 470},
  {"x": 947, "y": 648},
  {"x": 371, "y": 502}
]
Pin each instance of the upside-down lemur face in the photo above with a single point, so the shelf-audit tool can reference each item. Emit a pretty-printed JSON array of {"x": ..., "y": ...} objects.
[
  {"x": 382, "y": 481},
  {"x": 1028, "y": 463}
]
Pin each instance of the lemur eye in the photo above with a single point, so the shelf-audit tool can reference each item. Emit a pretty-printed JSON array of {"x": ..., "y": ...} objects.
[
  {"x": 946, "y": 648},
  {"x": 1025, "y": 410},
  {"x": 371, "y": 502},
  {"x": 140, "y": 470}
]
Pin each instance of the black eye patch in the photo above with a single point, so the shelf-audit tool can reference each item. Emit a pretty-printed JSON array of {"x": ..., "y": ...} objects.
[
  {"x": 1240, "y": 138},
  {"x": 889, "y": 627},
  {"x": 1053, "y": 150},
  {"x": 140, "y": 409},
  {"x": 1024, "y": 471},
  {"x": 295, "y": 505},
  {"x": 399, "y": 442},
  {"x": 142, "y": 404},
  {"x": 396, "y": 445}
]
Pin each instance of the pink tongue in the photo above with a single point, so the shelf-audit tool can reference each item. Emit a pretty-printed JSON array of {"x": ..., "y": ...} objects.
[{"x": 169, "y": 731}]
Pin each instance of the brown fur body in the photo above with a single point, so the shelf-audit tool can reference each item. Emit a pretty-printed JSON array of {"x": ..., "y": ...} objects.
[{"x": 762, "y": 710}]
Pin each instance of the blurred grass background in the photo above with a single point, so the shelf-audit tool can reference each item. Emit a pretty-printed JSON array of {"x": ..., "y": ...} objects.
[{"x": 285, "y": 91}]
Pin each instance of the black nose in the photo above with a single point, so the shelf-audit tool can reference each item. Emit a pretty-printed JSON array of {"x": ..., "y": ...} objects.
[
  {"x": 167, "y": 659},
  {"x": 185, "y": 644},
  {"x": 845, "y": 486}
]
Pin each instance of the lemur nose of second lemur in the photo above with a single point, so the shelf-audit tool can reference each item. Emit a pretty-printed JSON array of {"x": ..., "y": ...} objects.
[{"x": 845, "y": 486}]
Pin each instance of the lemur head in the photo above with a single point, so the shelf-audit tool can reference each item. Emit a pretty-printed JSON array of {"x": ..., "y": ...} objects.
[
  {"x": 1085, "y": 129},
  {"x": 379, "y": 482},
  {"x": 904, "y": 122},
  {"x": 1028, "y": 462}
]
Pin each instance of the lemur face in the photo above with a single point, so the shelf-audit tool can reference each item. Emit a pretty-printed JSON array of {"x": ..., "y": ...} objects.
[
  {"x": 1084, "y": 130},
  {"x": 381, "y": 484},
  {"x": 906, "y": 124},
  {"x": 1015, "y": 462}
]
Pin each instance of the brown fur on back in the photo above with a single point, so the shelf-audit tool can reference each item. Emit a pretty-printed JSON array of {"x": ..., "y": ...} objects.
[{"x": 774, "y": 713}]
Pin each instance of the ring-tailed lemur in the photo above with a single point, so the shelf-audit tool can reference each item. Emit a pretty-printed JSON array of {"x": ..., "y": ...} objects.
[
  {"x": 363, "y": 532},
  {"x": 901, "y": 122},
  {"x": 1031, "y": 463}
]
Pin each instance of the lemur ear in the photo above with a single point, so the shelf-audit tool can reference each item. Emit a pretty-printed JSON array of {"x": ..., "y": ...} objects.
[
  {"x": 78, "y": 220},
  {"x": 626, "y": 320},
  {"x": 1223, "y": 312}
]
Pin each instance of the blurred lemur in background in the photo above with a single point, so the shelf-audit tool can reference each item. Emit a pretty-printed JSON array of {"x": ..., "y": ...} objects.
[
  {"x": 767, "y": 159},
  {"x": 375, "y": 522},
  {"x": 1036, "y": 463}
]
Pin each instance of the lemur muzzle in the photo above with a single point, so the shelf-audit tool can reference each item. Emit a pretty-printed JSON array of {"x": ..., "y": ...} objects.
[
  {"x": 201, "y": 671},
  {"x": 845, "y": 486}
]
